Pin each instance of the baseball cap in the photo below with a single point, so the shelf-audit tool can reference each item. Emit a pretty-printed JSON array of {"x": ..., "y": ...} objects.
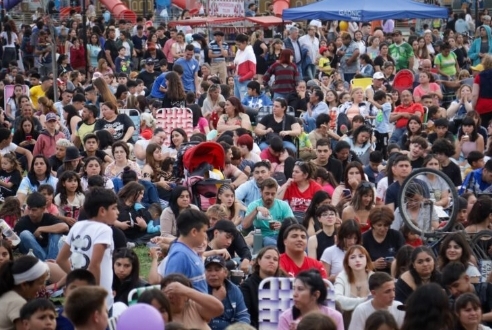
[
  {"x": 226, "y": 226},
  {"x": 215, "y": 260},
  {"x": 51, "y": 116},
  {"x": 478, "y": 67},
  {"x": 151, "y": 45},
  {"x": 378, "y": 75},
  {"x": 322, "y": 50},
  {"x": 149, "y": 61}
]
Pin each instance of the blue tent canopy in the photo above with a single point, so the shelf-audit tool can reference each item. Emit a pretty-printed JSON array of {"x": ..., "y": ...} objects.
[{"x": 364, "y": 10}]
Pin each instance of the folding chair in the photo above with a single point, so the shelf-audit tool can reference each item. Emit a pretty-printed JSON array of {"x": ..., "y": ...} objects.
[
  {"x": 171, "y": 118},
  {"x": 360, "y": 82},
  {"x": 134, "y": 115},
  {"x": 275, "y": 297},
  {"x": 135, "y": 293}
]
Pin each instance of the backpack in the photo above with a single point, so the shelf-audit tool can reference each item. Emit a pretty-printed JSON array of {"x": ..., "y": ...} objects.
[{"x": 26, "y": 46}]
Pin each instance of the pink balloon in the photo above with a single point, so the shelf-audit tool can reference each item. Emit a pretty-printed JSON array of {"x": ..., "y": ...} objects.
[{"x": 140, "y": 316}]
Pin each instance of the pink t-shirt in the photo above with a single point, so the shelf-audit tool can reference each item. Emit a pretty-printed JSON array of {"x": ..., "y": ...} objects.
[
  {"x": 202, "y": 123},
  {"x": 419, "y": 91},
  {"x": 286, "y": 318}
]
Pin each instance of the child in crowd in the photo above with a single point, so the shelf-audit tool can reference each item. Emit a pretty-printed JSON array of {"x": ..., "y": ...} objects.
[
  {"x": 372, "y": 169},
  {"x": 10, "y": 175},
  {"x": 69, "y": 197},
  {"x": 38, "y": 314},
  {"x": 86, "y": 308},
  {"x": 11, "y": 211},
  {"x": 306, "y": 151},
  {"x": 48, "y": 192},
  {"x": 101, "y": 208},
  {"x": 476, "y": 161},
  {"x": 75, "y": 279},
  {"x": 382, "y": 124},
  {"x": 122, "y": 62},
  {"x": 411, "y": 237},
  {"x": 155, "y": 211}
]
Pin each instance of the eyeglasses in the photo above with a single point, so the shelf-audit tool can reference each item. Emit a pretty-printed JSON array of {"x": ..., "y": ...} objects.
[
  {"x": 328, "y": 214},
  {"x": 300, "y": 163}
]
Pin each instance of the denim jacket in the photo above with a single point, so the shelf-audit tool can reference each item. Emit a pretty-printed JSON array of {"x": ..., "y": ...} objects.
[{"x": 235, "y": 310}]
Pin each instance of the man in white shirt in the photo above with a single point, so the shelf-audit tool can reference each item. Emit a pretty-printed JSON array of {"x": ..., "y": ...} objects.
[
  {"x": 382, "y": 288},
  {"x": 310, "y": 41}
]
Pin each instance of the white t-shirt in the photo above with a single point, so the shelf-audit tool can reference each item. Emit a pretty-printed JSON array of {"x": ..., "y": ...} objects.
[
  {"x": 333, "y": 256},
  {"x": 81, "y": 239},
  {"x": 13, "y": 39},
  {"x": 10, "y": 148},
  {"x": 364, "y": 310}
]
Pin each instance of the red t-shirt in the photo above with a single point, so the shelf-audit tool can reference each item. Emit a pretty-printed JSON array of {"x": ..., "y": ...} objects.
[
  {"x": 483, "y": 105},
  {"x": 289, "y": 266},
  {"x": 267, "y": 155},
  {"x": 412, "y": 108},
  {"x": 299, "y": 201}
]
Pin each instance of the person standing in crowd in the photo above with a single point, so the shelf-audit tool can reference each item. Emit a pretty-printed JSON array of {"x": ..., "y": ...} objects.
[
  {"x": 349, "y": 57},
  {"x": 218, "y": 50},
  {"x": 245, "y": 65}
]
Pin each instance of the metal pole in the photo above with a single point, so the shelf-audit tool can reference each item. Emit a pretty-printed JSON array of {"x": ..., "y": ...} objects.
[
  {"x": 145, "y": 9},
  {"x": 476, "y": 12},
  {"x": 84, "y": 33}
]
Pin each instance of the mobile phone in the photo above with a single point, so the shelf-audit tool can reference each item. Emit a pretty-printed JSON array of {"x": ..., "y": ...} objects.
[
  {"x": 389, "y": 259},
  {"x": 28, "y": 137},
  {"x": 347, "y": 193}
]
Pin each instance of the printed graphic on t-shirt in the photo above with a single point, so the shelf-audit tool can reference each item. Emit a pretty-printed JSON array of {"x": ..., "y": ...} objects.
[{"x": 79, "y": 259}]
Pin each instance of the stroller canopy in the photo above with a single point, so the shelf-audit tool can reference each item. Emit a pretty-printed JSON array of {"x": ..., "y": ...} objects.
[{"x": 208, "y": 152}]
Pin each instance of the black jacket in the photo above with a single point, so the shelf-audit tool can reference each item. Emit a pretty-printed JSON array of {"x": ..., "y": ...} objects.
[{"x": 249, "y": 288}]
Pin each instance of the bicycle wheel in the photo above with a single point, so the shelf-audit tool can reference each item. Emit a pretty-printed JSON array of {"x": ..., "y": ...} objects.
[
  {"x": 419, "y": 192},
  {"x": 481, "y": 244}
]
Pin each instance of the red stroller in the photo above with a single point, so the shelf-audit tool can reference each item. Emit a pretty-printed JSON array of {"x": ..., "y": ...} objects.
[{"x": 198, "y": 162}]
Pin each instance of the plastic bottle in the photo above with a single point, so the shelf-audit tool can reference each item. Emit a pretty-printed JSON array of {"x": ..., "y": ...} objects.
[
  {"x": 30, "y": 253},
  {"x": 257, "y": 241},
  {"x": 9, "y": 233}
]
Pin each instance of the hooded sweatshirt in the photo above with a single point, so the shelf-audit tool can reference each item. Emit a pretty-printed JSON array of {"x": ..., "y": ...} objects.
[
  {"x": 256, "y": 102},
  {"x": 46, "y": 143},
  {"x": 476, "y": 45}
]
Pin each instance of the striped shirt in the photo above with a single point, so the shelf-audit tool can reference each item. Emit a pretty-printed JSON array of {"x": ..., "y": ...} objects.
[
  {"x": 217, "y": 50},
  {"x": 285, "y": 77}
]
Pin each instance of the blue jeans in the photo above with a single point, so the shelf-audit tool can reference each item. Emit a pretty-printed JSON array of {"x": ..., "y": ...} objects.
[
  {"x": 28, "y": 241},
  {"x": 310, "y": 71},
  {"x": 240, "y": 88},
  {"x": 289, "y": 145},
  {"x": 397, "y": 134},
  {"x": 270, "y": 240},
  {"x": 309, "y": 124}
]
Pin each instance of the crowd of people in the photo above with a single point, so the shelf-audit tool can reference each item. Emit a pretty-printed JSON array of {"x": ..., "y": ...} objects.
[{"x": 313, "y": 168}]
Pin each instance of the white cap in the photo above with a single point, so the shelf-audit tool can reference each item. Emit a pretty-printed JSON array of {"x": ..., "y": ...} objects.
[{"x": 378, "y": 75}]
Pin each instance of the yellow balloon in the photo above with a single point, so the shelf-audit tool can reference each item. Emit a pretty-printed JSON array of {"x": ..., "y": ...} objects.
[{"x": 343, "y": 26}]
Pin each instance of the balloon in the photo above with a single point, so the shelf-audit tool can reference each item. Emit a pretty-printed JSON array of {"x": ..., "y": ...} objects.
[
  {"x": 343, "y": 26},
  {"x": 140, "y": 316},
  {"x": 119, "y": 308}
]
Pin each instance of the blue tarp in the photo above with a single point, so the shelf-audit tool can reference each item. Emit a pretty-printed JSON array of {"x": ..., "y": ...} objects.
[{"x": 364, "y": 10}]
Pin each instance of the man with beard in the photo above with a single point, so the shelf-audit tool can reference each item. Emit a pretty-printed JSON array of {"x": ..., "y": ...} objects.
[
  {"x": 225, "y": 240},
  {"x": 249, "y": 191},
  {"x": 267, "y": 213},
  {"x": 295, "y": 260},
  {"x": 235, "y": 310}
]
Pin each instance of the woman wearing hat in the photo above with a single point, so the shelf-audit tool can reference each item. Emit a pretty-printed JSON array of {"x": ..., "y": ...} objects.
[{"x": 71, "y": 162}]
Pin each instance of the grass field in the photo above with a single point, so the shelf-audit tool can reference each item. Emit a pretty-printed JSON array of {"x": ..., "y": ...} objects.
[{"x": 145, "y": 261}]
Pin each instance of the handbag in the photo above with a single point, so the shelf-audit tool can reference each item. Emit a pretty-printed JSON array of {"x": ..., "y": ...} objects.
[{"x": 269, "y": 136}]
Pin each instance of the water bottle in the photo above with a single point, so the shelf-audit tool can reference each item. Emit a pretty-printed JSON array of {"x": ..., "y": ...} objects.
[
  {"x": 9, "y": 233},
  {"x": 257, "y": 241},
  {"x": 31, "y": 253}
]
